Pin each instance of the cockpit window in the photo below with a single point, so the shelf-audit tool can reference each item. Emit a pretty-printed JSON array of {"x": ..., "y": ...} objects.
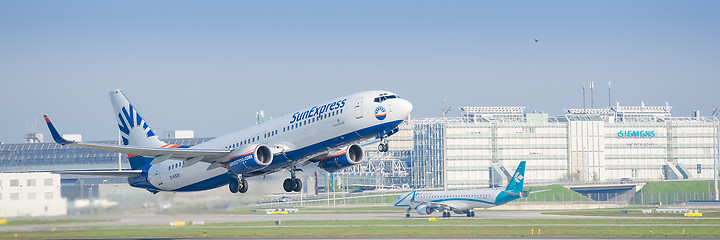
[{"x": 384, "y": 97}]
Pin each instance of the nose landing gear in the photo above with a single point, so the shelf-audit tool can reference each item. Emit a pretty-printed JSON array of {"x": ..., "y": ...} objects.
[{"x": 383, "y": 146}]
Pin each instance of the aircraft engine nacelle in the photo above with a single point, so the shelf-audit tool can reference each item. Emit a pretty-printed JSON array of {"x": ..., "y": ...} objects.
[
  {"x": 424, "y": 210},
  {"x": 336, "y": 161},
  {"x": 249, "y": 158}
]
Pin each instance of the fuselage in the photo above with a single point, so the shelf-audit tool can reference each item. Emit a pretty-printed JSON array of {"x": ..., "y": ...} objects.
[
  {"x": 295, "y": 138},
  {"x": 459, "y": 199}
]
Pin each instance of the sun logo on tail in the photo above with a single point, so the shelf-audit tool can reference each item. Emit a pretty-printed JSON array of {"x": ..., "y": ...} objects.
[{"x": 129, "y": 119}]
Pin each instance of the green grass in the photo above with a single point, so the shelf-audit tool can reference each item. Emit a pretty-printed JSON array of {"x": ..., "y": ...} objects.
[
  {"x": 707, "y": 213},
  {"x": 669, "y": 192},
  {"x": 443, "y": 228},
  {"x": 678, "y": 187},
  {"x": 557, "y": 193}
]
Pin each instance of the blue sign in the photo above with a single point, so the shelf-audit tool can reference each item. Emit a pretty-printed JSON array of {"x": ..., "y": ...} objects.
[{"x": 636, "y": 134}]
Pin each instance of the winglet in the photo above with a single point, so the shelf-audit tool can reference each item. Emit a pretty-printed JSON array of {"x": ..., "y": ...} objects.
[{"x": 56, "y": 136}]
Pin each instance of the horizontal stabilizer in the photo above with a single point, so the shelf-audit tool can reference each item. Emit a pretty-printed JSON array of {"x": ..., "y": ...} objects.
[
  {"x": 106, "y": 173},
  {"x": 545, "y": 190},
  {"x": 511, "y": 193}
]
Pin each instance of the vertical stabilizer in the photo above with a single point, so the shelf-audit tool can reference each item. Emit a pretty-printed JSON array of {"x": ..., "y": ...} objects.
[
  {"x": 134, "y": 131},
  {"x": 516, "y": 182}
]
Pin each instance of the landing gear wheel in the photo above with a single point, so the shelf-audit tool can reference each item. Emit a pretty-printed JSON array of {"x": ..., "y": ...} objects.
[
  {"x": 234, "y": 185},
  {"x": 298, "y": 185},
  {"x": 469, "y": 214},
  {"x": 383, "y": 147},
  {"x": 407, "y": 215},
  {"x": 289, "y": 185},
  {"x": 472, "y": 214},
  {"x": 244, "y": 187}
]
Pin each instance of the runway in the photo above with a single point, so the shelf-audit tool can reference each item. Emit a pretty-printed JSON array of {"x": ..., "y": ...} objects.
[
  {"x": 149, "y": 219},
  {"x": 141, "y": 218}
]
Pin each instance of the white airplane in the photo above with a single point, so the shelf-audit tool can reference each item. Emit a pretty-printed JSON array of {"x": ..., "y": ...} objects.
[
  {"x": 463, "y": 201},
  {"x": 326, "y": 134}
]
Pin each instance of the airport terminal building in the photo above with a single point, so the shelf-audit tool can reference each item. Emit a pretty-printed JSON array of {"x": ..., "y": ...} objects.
[{"x": 485, "y": 144}]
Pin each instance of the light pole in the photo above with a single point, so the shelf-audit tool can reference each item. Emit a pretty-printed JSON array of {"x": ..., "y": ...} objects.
[
  {"x": 444, "y": 143},
  {"x": 716, "y": 147}
]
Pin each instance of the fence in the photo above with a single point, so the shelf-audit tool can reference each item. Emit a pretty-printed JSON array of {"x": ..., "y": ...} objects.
[
  {"x": 387, "y": 199},
  {"x": 669, "y": 198}
]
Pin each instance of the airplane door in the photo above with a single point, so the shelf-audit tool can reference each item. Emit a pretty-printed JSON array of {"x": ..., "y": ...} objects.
[
  {"x": 156, "y": 177},
  {"x": 358, "y": 108}
]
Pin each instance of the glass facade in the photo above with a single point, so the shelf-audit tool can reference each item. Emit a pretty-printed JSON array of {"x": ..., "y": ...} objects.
[
  {"x": 53, "y": 156},
  {"x": 483, "y": 147}
]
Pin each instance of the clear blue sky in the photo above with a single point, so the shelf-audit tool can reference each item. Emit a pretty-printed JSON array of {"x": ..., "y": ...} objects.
[{"x": 210, "y": 65}]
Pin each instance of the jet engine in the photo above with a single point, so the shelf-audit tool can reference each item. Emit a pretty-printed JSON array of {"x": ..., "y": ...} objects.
[
  {"x": 424, "y": 210},
  {"x": 339, "y": 160},
  {"x": 249, "y": 158}
]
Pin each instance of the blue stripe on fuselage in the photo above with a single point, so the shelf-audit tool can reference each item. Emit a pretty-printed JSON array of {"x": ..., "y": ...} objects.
[{"x": 279, "y": 161}]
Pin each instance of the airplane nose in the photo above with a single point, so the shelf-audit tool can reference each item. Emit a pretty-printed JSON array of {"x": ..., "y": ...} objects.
[{"x": 404, "y": 107}]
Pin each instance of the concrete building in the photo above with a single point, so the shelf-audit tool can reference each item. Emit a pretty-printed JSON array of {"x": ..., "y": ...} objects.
[{"x": 30, "y": 195}]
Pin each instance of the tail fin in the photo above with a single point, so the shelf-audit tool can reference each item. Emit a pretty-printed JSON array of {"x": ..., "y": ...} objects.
[
  {"x": 134, "y": 131},
  {"x": 516, "y": 183}
]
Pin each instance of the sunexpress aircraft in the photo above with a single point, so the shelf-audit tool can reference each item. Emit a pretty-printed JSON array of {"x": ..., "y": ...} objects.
[
  {"x": 463, "y": 201},
  {"x": 327, "y": 134}
]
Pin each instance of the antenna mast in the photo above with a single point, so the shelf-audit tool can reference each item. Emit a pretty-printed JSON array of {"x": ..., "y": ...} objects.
[
  {"x": 609, "y": 99},
  {"x": 592, "y": 97},
  {"x": 583, "y": 94}
]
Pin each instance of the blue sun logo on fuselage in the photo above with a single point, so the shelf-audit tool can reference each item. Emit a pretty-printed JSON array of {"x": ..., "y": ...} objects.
[{"x": 380, "y": 113}]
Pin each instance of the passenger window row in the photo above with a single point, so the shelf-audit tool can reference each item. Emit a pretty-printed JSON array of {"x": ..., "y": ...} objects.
[{"x": 286, "y": 128}]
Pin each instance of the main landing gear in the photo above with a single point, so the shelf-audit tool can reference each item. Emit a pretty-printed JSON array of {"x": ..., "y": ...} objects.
[
  {"x": 446, "y": 214},
  {"x": 470, "y": 213},
  {"x": 238, "y": 185},
  {"x": 293, "y": 184}
]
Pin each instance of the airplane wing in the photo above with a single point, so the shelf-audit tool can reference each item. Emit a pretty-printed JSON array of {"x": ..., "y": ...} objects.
[
  {"x": 164, "y": 153},
  {"x": 106, "y": 173}
]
